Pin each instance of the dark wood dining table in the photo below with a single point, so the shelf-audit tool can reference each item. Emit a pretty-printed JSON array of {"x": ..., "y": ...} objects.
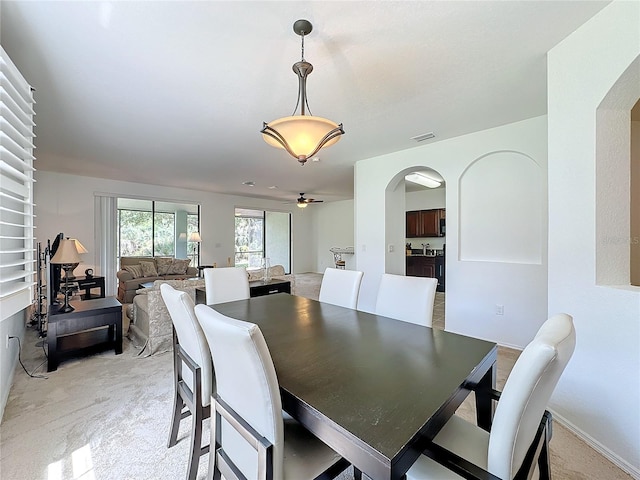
[{"x": 375, "y": 389}]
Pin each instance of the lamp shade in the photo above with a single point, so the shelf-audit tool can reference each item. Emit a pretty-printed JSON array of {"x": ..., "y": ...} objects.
[
  {"x": 303, "y": 133},
  {"x": 66, "y": 252},
  {"x": 194, "y": 237},
  {"x": 79, "y": 247}
]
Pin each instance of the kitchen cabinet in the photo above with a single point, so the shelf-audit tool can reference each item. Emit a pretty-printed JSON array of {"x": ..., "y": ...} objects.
[
  {"x": 421, "y": 266},
  {"x": 425, "y": 223},
  {"x": 426, "y": 266}
]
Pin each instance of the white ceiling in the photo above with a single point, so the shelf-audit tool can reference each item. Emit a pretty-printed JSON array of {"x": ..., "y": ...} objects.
[{"x": 175, "y": 93}]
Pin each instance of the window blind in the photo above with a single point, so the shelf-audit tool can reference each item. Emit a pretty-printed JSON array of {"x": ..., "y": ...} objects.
[{"x": 17, "y": 242}]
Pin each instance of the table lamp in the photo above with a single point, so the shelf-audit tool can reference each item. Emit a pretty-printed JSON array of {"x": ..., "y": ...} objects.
[{"x": 67, "y": 256}]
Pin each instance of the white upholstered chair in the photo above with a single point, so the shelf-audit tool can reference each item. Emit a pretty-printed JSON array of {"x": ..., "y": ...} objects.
[
  {"x": 521, "y": 427},
  {"x": 226, "y": 284},
  {"x": 340, "y": 287},
  {"x": 409, "y": 299},
  {"x": 247, "y": 426},
  {"x": 192, "y": 373}
]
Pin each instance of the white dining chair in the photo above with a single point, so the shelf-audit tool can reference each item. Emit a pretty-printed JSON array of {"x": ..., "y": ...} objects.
[
  {"x": 340, "y": 287},
  {"x": 226, "y": 284},
  {"x": 521, "y": 429},
  {"x": 409, "y": 299},
  {"x": 192, "y": 373},
  {"x": 252, "y": 439}
]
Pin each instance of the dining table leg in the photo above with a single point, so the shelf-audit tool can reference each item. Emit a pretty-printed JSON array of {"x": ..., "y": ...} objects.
[{"x": 484, "y": 395}]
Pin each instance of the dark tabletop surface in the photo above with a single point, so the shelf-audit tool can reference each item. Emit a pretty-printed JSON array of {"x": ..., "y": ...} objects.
[{"x": 380, "y": 379}]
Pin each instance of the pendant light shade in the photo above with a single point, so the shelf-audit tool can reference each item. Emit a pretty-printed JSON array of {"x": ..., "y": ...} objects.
[{"x": 302, "y": 135}]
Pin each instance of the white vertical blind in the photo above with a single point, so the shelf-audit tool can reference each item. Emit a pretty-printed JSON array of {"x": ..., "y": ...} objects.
[
  {"x": 17, "y": 252},
  {"x": 105, "y": 208}
]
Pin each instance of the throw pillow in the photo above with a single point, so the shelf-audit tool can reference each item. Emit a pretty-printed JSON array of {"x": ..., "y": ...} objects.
[
  {"x": 135, "y": 270},
  {"x": 179, "y": 267},
  {"x": 164, "y": 265},
  {"x": 149, "y": 269}
]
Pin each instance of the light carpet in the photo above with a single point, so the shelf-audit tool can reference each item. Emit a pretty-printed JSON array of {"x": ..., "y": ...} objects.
[{"x": 106, "y": 417}]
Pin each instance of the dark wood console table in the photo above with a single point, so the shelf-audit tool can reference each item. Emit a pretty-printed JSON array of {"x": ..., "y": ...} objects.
[
  {"x": 257, "y": 288},
  {"x": 78, "y": 329}
]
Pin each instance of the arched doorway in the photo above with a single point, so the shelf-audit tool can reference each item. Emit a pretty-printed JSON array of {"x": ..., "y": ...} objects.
[{"x": 415, "y": 226}]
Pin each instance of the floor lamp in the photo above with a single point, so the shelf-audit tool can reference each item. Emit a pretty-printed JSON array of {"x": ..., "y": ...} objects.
[{"x": 67, "y": 256}]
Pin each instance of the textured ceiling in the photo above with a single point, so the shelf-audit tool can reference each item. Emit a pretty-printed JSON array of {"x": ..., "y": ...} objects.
[{"x": 175, "y": 93}]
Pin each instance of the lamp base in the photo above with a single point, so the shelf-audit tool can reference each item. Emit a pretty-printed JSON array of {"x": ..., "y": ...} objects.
[{"x": 66, "y": 308}]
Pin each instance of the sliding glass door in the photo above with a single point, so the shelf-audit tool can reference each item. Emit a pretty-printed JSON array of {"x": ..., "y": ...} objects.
[
  {"x": 262, "y": 234},
  {"x": 149, "y": 228}
]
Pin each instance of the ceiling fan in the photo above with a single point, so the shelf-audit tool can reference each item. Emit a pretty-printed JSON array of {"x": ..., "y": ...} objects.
[{"x": 303, "y": 202}]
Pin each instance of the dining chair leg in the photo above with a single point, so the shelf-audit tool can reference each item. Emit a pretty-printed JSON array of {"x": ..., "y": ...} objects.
[
  {"x": 178, "y": 405},
  {"x": 178, "y": 402},
  {"x": 215, "y": 434},
  {"x": 196, "y": 444},
  {"x": 544, "y": 461}
]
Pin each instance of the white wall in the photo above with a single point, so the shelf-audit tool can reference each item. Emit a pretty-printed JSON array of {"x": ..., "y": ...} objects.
[
  {"x": 332, "y": 227},
  {"x": 65, "y": 203},
  {"x": 635, "y": 204},
  {"x": 474, "y": 288},
  {"x": 11, "y": 326},
  {"x": 599, "y": 393}
]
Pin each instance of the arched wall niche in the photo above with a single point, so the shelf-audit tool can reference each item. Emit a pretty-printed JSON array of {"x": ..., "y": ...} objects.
[
  {"x": 506, "y": 190},
  {"x": 615, "y": 242}
]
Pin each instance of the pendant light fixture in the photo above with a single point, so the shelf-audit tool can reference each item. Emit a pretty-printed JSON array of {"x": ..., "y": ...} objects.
[{"x": 302, "y": 135}]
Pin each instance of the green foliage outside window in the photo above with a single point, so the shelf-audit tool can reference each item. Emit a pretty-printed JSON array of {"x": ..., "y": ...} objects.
[
  {"x": 249, "y": 248},
  {"x": 134, "y": 232},
  {"x": 164, "y": 243}
]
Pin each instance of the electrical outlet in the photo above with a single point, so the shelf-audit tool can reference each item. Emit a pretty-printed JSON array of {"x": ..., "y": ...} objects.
[
  {"x": 391, "y": 248},
  {"x": 499, "y": 309}
]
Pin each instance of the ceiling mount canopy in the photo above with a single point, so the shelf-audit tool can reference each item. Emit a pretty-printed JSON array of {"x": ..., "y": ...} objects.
[{"x": 302, "y": 135}]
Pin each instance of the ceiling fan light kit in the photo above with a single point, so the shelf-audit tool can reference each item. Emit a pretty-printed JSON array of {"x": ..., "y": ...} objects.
[
  {"x": 303, "y": 202},
  {"x": 302, "y": 135}
]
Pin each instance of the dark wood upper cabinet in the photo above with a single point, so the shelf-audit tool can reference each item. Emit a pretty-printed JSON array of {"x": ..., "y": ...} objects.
[{"x": 425, "y": 223}]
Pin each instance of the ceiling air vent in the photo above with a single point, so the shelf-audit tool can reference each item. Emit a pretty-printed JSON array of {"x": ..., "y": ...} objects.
[{"x": 424, "y": 136}]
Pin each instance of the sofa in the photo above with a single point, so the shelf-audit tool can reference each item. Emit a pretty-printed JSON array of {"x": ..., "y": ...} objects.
[
  {"x": 136, "y": 270},
  {"x": 151, "y": 326}
]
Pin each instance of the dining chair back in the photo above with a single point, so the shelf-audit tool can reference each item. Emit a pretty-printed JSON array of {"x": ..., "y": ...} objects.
[
  {"x": 226, "y": 284},
  {"x": 526, "y": 393},
  {"x": 247, "y": 423},
  {"x": 341, "y": 287},
  {"x": 521, "y": 428},
  {"x": 192, "y": 373},
  {"x": 409, "y": 299}
]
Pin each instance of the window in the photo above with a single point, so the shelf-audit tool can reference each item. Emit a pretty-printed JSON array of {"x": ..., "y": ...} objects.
[
  {"x": 249, "y": 238},
  {"x": 149, "y": 228},
  {"x": 262, "y": 234}
]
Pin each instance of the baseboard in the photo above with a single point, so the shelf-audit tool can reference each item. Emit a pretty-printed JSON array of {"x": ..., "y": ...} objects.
[{"x": 597, "y": 446}]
